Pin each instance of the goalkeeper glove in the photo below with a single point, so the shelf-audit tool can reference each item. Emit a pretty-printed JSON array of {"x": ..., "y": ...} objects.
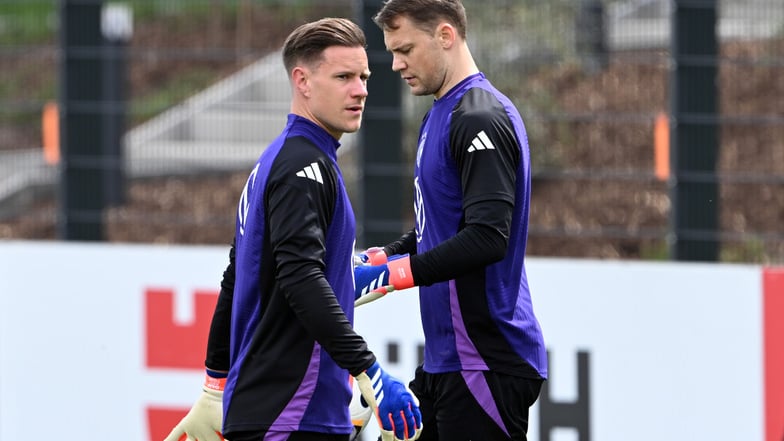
[
  {"x": 396, "y": 408},
  {"x": 374, "y": 256},
  {"x": 203, "y": 422},
  {"x": 395, "y": 274},
  {"x": 360, "y": 412}
]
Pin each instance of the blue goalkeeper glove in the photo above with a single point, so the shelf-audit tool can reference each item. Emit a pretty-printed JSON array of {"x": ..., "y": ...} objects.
[
  {"x": 393, "y": 275},
  {"x": 396, "y": 408}
]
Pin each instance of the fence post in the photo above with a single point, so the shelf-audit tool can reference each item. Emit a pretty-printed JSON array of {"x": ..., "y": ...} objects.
[
  {"x": 81, "y": 194},
  {"x": 382, "y": 164},
  {"x": 693, "y": 100}
]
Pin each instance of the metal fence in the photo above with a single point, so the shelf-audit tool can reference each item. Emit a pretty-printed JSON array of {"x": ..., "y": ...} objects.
[{"x": 594, "y": 82}]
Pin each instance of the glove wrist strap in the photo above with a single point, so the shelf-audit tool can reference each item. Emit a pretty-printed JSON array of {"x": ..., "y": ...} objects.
[
  {"x": 216, "y": 384},
  {"x": 400, "y": 275}
]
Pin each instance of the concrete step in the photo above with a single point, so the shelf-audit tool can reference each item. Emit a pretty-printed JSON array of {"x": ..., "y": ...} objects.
[
  {"x": 226, "y": 125},
  {"x": 167, "y": 157},
  {"x": 273, "y": 88}
]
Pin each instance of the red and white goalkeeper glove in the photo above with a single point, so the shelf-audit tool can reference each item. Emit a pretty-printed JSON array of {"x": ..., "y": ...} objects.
[
  {"x": 395, "y": 274},
  {"x": 205, "y": 419}
]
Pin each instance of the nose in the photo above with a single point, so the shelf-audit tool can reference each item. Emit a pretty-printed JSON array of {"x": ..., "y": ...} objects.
[
  {"x": 397, "y": 63},
  {"x": 360, "y": 88}
]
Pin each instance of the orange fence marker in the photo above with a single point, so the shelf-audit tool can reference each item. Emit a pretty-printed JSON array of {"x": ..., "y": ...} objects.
[
  {"x": 661, "y": 147},
  {"x": 50, "y": 127}
]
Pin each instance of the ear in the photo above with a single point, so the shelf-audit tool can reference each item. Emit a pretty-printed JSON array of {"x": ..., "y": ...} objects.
[
  {"x": 299, "y": 78},
  {"x": 446, "y": 34}
]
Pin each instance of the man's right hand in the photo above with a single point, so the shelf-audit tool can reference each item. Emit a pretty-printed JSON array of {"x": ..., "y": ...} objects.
[
  {"x": 396, "y": 408},
  {"x": 203, "y": 422},
  {"x": 394, "y": 275}
]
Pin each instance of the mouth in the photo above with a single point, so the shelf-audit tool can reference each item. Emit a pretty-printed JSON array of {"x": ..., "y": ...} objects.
[{"x": 355, "y": 109}]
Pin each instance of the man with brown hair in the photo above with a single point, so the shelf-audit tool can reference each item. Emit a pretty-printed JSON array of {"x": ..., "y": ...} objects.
[
  {"x": 281, "y": 344},
  {"x": 485, "y": 358}
]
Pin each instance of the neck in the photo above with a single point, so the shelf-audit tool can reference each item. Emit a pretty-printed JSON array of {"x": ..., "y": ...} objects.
[{"x": 462, "y": 67}]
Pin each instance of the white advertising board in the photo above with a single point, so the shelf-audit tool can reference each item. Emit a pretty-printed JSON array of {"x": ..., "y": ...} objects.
[{"x": 107, "y": 342}]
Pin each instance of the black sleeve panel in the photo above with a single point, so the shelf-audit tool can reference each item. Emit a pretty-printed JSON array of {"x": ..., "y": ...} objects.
[
  {"x": 485, "y": 148},
  {"x": 405, "y": 245},
  {"x": 299, "y": 212},
  {"x": 487, "y": 153},
  {"x": 219, "y": 337},
  {"x": 475, "y": 246}
]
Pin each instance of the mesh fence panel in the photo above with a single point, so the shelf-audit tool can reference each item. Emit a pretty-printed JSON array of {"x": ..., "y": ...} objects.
[{"x": 593, "y": 81}]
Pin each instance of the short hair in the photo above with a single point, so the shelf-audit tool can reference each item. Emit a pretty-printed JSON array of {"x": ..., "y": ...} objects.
[
  {"x": 307, "y": 43},
  {"x": 424, "y": 14}
]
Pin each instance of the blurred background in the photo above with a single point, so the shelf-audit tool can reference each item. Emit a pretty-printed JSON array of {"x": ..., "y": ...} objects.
[{"x": 656, "y": 127}]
